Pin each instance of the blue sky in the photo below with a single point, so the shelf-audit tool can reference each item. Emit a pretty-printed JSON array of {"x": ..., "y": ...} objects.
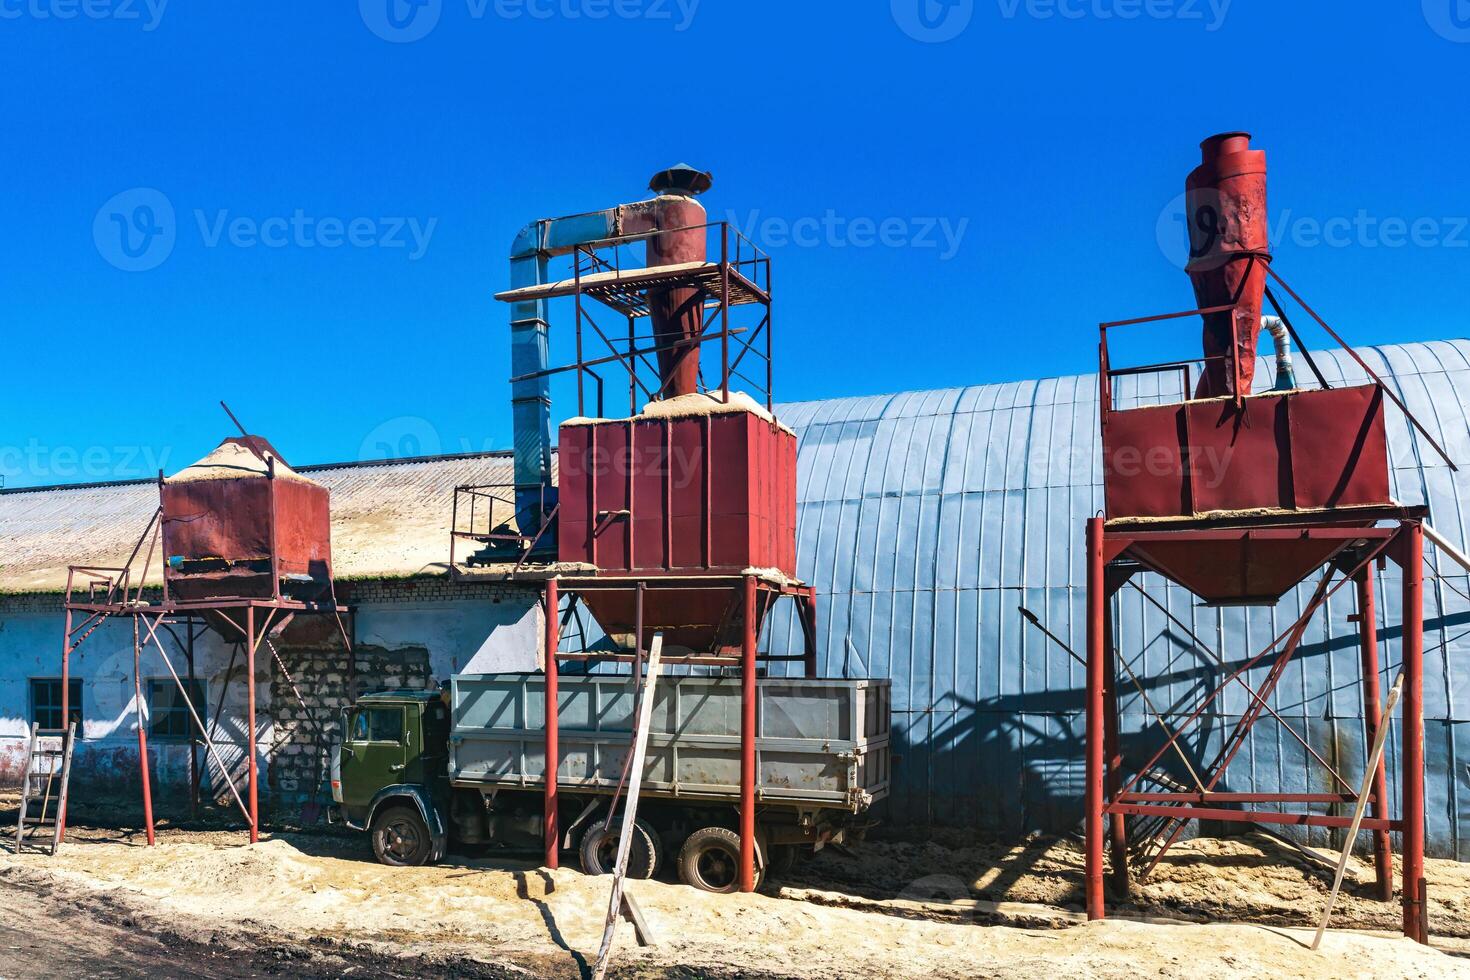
[{"x": 344, "y": 180}]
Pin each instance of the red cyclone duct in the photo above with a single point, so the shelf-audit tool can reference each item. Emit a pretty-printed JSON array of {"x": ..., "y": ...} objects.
[
  {"x": 677, "y": 314},
  {"x": 1225, "y": 199}
]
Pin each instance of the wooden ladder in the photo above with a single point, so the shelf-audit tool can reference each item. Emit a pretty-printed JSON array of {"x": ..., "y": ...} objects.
[{"x": 43, "y": 793}]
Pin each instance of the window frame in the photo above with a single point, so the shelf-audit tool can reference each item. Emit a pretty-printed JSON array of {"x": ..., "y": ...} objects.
[
  {"x": 76, "y": 704},
  {"x": 199, "y": 695}
]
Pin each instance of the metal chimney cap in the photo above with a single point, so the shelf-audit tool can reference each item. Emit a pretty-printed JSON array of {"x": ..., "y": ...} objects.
[{"x": 681, "y": 179}]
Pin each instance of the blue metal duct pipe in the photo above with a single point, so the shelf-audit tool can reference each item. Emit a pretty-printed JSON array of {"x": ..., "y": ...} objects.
[{"x": 530, "y": 400}]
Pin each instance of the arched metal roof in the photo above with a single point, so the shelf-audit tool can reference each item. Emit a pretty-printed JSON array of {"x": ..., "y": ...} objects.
[{"x": 928, "y": 518}]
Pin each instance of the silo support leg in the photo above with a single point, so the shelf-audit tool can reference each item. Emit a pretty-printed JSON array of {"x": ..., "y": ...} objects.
[
  {"x": 747, "y": 741},
  {"x": 1096, "y": 629},
  {"x": 1412, "y": 560}
]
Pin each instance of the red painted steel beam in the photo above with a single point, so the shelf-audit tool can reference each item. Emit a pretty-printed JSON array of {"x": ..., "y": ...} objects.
[
  {"x": 1415, "y": 923},
  {"x": 747, "y": 742},
  {"x": 1372, "y": 709},
  {"x": 1113, "y": 758},
  {"x": 1187, "y": 813},
  {"x": 552, "y": 726},
  {"x": 1096, "y": 628},
  {"x": 250, "y": 723},
  {"x": 142, "y": 735},
  {"x": 65, "y": 708}
]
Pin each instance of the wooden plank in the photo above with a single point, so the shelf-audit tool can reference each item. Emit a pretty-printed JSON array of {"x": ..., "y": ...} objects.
[
  {"x": 1364, "y": 794},
  {"x": 630, "y": 812},
  {"x": 634, "y": 914}
]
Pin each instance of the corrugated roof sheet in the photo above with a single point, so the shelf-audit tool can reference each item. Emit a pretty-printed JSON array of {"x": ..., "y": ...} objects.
[
  {"x": 926, "y": 519},
  {"x": 389, "y": 518}
]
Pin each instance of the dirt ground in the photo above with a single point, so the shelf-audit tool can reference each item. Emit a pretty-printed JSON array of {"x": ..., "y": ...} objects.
[{"x": 316, "y": 905}]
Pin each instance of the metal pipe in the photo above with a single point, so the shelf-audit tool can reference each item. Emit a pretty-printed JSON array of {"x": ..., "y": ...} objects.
[
  {"x": 1412, "y": 559},
  {"x": 142, "y": 735},
  {"x": 552, "y": 725},
  {"x": 1229, "y": 249},
  {"x": 810, "y": 623},
  {"x": 677, "y": 314},
  {"x": 1113, "y": 756},
  {"x": 1443, "y": 544},
  {"x": 1096, "y": 602},
  {"x": 747, "y": 742},
  {"x": 1372, "y": 711},
  {"x": 250, "y": 723},
  {"x": 1285, "y": 373},
  {"x": 65, "y": 704}
]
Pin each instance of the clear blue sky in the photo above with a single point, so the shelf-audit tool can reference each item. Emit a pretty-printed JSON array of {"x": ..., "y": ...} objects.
[{"x": 1049, "y": 136}]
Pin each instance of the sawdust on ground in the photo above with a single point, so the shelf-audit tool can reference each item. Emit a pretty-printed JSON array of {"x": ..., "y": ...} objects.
[{"x": 317, "y": 888}]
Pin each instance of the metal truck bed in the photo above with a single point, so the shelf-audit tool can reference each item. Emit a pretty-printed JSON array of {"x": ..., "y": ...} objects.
[{"x": 820, "y": 743}]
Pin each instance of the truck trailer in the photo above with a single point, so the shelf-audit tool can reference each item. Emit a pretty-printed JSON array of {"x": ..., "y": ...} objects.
[{"x": 426, "y": 771}]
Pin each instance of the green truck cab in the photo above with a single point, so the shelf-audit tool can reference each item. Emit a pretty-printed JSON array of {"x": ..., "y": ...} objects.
[{"x": 390, "y": 774}]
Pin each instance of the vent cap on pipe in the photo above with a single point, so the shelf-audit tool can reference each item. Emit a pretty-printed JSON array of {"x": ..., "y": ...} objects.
[{"x": 681, "y": 179}]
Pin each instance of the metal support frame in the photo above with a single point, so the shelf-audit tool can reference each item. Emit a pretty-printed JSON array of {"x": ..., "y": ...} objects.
[
  {"x": 754, "y": 593},
  {"x": 1109, "y": 800},
  {"x": 98, "y": 594},
  {"x": 741, "y": 277}
]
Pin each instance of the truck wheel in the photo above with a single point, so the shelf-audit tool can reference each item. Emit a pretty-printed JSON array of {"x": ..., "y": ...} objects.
[
  {"x": 782, "y": 859},
  {"x": 599, "y": 850},
  {"x": 710, "y": 861},
  {"x": 400, "y": 837}
]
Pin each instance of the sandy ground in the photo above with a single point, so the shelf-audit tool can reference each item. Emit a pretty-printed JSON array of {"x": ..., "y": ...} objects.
[{"x": 880, "y": 910}]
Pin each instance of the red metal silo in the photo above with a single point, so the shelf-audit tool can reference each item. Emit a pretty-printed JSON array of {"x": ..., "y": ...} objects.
[
  {"x": 1229, "y": 245},
  {"x": 240, "y": 523}
]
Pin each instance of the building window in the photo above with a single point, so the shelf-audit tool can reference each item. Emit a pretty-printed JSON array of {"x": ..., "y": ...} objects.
[
  {"x": 168, "y": 715},
  {"x": 46, "y": 702}
]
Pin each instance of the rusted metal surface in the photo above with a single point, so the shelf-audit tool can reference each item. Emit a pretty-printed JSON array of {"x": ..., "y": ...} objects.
[
  {"x": 1229, "y": 246},
  {"x": 1291, "y": 451},
  {"x": 677, "y": 314},
  {"x": 239, "y": 536},
  {"x": 701, "y": 494}
]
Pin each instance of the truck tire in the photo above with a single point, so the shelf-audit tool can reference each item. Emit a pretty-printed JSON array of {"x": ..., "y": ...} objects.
[
  {"x": 599, "y": 850},
  {"x": 400, "y": 837},
  {"x": 710, "y": 861}
]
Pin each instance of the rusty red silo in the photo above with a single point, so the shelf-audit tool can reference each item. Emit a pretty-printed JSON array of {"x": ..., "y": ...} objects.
[
  {"x": 1229, "y": 245},
  {"x": 240, "y": 523},
  {"x": 677, "y": 314}
]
